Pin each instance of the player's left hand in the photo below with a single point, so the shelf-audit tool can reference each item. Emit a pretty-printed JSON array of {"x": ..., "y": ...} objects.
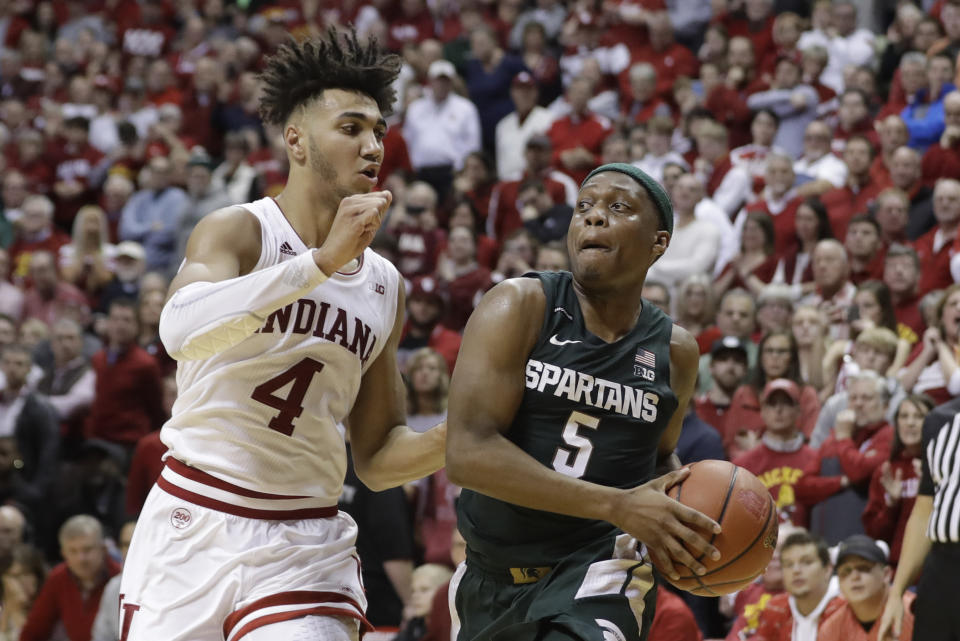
[{"x": 670, "y": 530}]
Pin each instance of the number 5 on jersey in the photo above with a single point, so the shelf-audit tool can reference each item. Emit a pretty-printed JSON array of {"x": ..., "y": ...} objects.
[
  {"x": 580, "y": 446},
  {"x": 290, "y": 407}
]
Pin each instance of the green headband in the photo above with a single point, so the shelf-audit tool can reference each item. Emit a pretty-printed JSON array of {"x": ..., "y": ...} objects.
[{"x": 656, "y": 192}]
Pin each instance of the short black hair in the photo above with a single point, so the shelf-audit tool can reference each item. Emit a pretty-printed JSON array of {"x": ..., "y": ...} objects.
[
  {"x": 803, "y": 537},
  {"x": 301, "y": 71}
]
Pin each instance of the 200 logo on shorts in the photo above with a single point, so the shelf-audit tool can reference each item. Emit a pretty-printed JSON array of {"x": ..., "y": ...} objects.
[{"x": 180, "y": 518}]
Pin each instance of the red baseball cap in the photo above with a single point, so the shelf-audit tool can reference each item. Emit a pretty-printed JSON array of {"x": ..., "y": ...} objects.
[{"x": 781, "y": 385}]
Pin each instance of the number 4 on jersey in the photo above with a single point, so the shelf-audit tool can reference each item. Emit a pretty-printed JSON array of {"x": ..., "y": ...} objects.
[
  {"x": 290, "y": 407},
  {"x": 581, "y": 447}
]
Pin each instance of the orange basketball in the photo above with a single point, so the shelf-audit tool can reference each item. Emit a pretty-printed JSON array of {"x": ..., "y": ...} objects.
[{"x": 739, "y": 502}]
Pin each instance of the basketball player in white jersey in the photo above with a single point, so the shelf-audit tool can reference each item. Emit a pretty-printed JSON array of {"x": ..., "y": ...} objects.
[{"x": 284, "y": 325}]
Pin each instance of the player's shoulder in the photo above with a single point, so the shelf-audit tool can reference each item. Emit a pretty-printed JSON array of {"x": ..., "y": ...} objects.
[
  {"x": 230, "y": 224},
  {"x": 683, "y": 346},
  {"x": 524, "y": 290}
]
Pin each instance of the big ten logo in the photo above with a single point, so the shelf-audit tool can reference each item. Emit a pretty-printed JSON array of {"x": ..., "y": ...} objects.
[
  {"x": 378, "y": 288},
  {"x": 645, "y": 373}
]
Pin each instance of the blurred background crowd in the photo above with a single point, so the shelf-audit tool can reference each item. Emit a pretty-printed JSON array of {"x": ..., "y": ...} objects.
[{"x": 811, "y": 149}]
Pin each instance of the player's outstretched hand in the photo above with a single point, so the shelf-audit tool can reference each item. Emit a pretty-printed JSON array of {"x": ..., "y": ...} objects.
[
  {"x": 353, "y": 229},
  {"x": 671, "y": 530},
  {"x": 892, "y": 619}
]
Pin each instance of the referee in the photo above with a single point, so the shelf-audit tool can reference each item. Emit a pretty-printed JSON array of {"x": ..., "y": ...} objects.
[{"x": 932, "y": 538}]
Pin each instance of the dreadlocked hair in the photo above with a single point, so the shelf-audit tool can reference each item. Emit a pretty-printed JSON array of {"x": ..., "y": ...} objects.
[{"x": 300, "y": 71}]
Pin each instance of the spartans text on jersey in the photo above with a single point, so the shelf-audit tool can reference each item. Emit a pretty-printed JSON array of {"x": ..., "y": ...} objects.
[
  {"x": 594, "y": 391},
  {"x": 323, "y": 321}
]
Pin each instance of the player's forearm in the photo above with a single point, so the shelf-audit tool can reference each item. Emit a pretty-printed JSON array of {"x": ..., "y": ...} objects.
[
  {"x": 400, "y": 573},
  {"x": 496, "y": 467},
  {"x": 404, "y": 456},
  {"x": 205, "y": 318},
  {"x": 916, "y": 545}
]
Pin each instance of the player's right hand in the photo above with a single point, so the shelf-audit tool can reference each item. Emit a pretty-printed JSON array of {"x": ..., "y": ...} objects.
[
  {"x": 892, "y": 620},
  {"x": 356, "y": 223},
  {"x": 670, "y": 530}
]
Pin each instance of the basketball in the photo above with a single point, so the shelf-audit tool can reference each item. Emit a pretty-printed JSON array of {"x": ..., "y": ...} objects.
[{"x": 739, "y": 502}]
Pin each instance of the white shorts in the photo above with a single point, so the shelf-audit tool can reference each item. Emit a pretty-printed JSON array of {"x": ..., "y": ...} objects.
[{"x": 195, "y": 573}]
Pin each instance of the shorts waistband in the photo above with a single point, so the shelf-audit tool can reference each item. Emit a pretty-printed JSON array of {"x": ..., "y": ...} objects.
[
  {"x": 519, "y": 575},
  {"x": 203, "y": 489}
]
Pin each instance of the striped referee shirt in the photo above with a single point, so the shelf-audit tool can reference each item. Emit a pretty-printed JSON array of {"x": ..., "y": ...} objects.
[{"x": 941, "y": 471}]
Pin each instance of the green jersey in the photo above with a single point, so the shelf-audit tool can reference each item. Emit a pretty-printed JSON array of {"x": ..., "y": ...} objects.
[{"x": 591, "y": 410}]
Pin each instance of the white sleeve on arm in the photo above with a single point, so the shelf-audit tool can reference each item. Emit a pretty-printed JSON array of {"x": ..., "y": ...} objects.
[{"x": 203, "y": 318}]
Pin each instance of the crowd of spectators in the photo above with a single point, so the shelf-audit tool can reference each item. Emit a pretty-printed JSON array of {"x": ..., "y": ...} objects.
[{"x": 811, "y": 149}]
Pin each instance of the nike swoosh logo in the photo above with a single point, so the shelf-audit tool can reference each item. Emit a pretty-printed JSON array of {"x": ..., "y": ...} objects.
[{"x": 557, "y": 341}]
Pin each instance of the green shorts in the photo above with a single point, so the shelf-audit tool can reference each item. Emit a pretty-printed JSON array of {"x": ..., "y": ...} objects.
[{"x": 601, "y": 592}]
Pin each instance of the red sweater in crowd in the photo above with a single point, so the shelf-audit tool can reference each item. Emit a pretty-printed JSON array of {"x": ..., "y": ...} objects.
[
  {"x": 843, "y": 625},
  {"x": 145, "y": 467},
  {"x": 843, "y": 203},
  {"x": 127, "y": 402},
  {"x": 941, "y": 163},
  {"x": 61, "y": 599},
  {"x": 889, "y": 522},
  {"x": 780, "y": 471},
  {"x": 859, "y": 456},
  {"x": 776, "y": 620},
  {"x": 575, "y": 131},
  {"x": 673, "y": 620},
  {"x": 934, "y": 262}
]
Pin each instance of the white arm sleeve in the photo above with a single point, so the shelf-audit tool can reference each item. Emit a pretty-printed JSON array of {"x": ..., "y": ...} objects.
[{"x": 203, "y": 318}]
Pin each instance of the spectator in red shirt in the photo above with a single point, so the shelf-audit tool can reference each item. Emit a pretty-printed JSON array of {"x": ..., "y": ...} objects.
[
  {"x": 727, "y": 100},
  {"x": 425, "y": 308},
  {"x": 577, "y": 138},
  {"x": 935, "y": 247},
  {"x": 670, "y": 59},
  {"x": 36, "y": 233},
  {"x": 728, "y": 371},
  {"x": 127, "y": 403},
  {"x": 810, "y": 597},
  {"x": 79, "y": 170},
  {"x": 640, "y": 102},
  {"x": 414, "y": 225},
  {"x": 865, "y": 250},
  {"x": 853, "y": 119},
  {"x": 464, "y": 280},
  {"x": 780, "y": 200},
  {"x": 893, "y": 488},
  {"x": 843, "y": 203},
  {"x": 893, "y": 135},
  {"x": 781, "y": 456},
  {"x": 71, "y": 594},
  {"x": 777, "y": 359},
  {"x": 754, "y": 21},
  {"x": 32, "y": 161},
  {"x": 943, "y": 159},
  {"x": 901, "y": 274},
  {"x": 673, "y": 620},
  {"x": 864, "y": 572},
  {"x": 50, "y": 298},
  {"x": 905, "y": 174},
  {"x": 892, "y": 212},
  {"x": 835, "y": 486}
]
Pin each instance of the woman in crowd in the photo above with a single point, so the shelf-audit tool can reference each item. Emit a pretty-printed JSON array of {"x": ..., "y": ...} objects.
[
  {"x": 777, "y": 358},
  {"x": 893, "y": 487},
  {"x": 87, "y": 261},
  {"x": 433, "y": 497},
  {"x": 810, "y": 330},
  {"x": 933, "y": 369},
  {"x": 796, "y": 268},
  {"x": 872, "y": 307},
  {"x": 465, "y": 213},
  {"x": 695, "y": 307},
  {"x": 756, "y": 263},
  {"x": 151, "y": 304},
  {"x": 19, "y": 583}
]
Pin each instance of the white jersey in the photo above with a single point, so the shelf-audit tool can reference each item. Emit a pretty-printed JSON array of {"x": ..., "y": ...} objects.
[{"x": 257, "y": 423}]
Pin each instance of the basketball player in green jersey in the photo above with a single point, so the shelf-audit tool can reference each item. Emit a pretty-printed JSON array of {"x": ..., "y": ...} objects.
[{"x": 568, "y": 397}]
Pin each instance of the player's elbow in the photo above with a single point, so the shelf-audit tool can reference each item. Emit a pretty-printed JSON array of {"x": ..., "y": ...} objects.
[{"x": 461, "y": 449}]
